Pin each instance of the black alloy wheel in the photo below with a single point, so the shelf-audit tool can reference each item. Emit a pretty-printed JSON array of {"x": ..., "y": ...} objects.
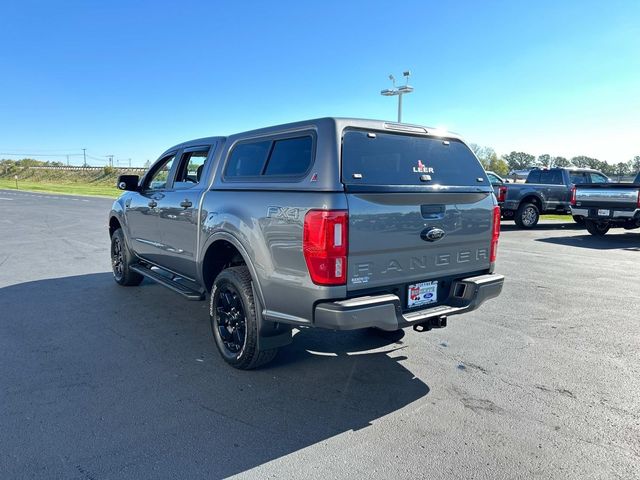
[
  {"x": 117, "y": 259},
  {"x": 231, "y": 321},
  {"x": 234, "y": 320},
  {"x": 121, "y": 260}
]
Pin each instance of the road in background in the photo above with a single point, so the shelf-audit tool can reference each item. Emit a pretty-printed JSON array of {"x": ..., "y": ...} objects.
[{"x": 98, "y": 381}]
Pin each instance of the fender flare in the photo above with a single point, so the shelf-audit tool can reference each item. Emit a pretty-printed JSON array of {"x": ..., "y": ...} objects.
[
  {"x": 536, "y": 195},
  {"x": 243, "y": 252},
  {"x": 268, "y": 336}
]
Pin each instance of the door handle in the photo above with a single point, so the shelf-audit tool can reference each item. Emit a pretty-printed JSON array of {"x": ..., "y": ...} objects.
[
  {"x": 185, "y": 203},
  {"x": 153, "y": 204}
]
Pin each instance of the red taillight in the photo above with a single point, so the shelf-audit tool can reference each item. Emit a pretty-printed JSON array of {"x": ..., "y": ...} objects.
[
  {"x": 324, "y": 243},
  {"x": 573, "y": 195},
  {"x": 502, "y": 193},
  {"x": 638, "y": 204},
  {"x": 495, "y": 234}
]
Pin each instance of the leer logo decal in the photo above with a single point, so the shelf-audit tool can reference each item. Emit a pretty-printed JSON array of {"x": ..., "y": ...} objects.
[{"x": 422, "y": 168}]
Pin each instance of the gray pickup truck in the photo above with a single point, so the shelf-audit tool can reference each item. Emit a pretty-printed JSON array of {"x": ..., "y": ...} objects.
[
  {"x": 332, "y": 223},
  {"x": 606, "y": 206},
  {"x": 499, "y": 187},
  {"x": 547, "y": 190}
]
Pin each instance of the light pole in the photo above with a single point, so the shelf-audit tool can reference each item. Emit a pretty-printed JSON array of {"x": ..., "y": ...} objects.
[{"x": 399, "y": 91}]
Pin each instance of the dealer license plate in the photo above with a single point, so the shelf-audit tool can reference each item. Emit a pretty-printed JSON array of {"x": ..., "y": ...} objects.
[
  {"x": 603, "y": 212},
  {"x": 422, "y": 294}
]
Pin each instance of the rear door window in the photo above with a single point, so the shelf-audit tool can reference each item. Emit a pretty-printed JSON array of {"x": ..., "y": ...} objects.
[
  {"x": 545, "y": 177},
  {"x": 373, "y": 158},
  {"x": 598, "y": 178},
  {"x": 191, "y": 167},
  {"x": 534, "y": 177},
  {"x": 550, "y": 177},
  {"x": 579, "y": 177}
]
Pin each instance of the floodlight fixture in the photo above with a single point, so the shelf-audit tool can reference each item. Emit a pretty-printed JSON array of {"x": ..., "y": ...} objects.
[{"x": 399, "y": 91}]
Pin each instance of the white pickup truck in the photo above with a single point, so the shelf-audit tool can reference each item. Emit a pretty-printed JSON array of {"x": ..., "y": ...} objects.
[{"x": 607, "y": 206}]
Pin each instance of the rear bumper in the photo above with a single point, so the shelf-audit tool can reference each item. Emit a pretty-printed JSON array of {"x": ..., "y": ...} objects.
[
  {"x": 510, "y": 205},
  {"x": 627, "y": 214},
  {"x": 385, "y": 311}
]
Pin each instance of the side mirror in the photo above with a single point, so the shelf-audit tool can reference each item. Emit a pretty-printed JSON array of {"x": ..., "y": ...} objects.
[{"x": 128, "y": 182}]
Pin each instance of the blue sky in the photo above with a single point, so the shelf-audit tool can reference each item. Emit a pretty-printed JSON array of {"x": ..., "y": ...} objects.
[{"x": 133, "y": 78}]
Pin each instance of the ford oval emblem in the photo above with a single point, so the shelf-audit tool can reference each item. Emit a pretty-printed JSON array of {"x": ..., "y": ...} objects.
[{"x": 432, "y": 234}]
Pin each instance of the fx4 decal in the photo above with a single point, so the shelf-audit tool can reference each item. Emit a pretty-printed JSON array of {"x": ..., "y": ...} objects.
[{"x": 286, "y": 213}]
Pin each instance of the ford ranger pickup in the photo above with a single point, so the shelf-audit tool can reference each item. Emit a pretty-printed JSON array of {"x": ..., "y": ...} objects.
[{"x": 332, "y": 223}]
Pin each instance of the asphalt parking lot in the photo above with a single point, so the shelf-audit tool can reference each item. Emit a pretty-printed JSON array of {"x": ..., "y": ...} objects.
[{"x": 99, "y": 381}]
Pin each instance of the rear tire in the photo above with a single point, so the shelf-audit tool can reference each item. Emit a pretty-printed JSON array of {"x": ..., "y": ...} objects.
[
  {"x": 121, "y": 259},
  {"x": 578, "y": 219},
  {"x": 597, "y": 228},
  {"x": 234, "y": 322},
  {"x": 527, "y": 215}
]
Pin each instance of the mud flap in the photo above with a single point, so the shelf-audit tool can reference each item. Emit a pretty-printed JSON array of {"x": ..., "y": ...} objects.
[{"x": 270, "y": 335}]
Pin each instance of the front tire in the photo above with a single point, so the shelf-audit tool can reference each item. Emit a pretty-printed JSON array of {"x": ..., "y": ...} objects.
[
  {"x": 527, "y": 215},
  {"x": 121, "y": 260},
  {"x": 597, "y": 228},
  {"x": 234, "y": 322}
]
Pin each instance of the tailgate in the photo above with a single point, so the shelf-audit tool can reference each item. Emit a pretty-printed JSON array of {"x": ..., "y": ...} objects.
[
  {"x": 420, "y": 209},
  {"x": 611, "y": 196},
  {"x": 393, "y": 237}
]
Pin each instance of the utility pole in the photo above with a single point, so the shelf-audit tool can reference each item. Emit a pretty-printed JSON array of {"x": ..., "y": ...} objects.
[
  {"x": 84, "y": 155},
  {"x": 129, "y": 163},
  {"x": 110, "y": 157},
  {"x": 67, "y": 160},
  {"x": 399, "y": 91}
]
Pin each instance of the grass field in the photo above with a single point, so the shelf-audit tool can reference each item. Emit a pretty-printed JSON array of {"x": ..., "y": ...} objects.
[
  {"x": 70, "y": 182},
  {"x": 63, "y": 188},
  {"x": 566, "y": 218}
]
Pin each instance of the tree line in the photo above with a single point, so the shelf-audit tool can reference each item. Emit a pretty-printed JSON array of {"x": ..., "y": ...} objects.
[
  {"x": 490, "y": 161},
  {"x": 7, "y": 164},
  {"x": 14, "y": 166},
  {"x": 525, "y": 161}
]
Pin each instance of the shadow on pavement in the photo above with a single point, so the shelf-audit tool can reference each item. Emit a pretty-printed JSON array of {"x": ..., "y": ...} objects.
[
  {"x": 507, "y": 226},
  {"x": 100, "y": 381},
  {"x": 626, "y": 241}
]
